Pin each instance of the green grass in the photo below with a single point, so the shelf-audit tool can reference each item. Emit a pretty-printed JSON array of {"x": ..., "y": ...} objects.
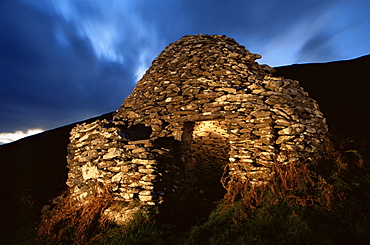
[{"x": 325, "y": 203}]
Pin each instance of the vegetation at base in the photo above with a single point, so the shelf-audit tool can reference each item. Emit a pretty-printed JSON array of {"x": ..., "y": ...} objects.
[
  {"x": 323, "y": 203},
  {"x": 72, "y": 223}
]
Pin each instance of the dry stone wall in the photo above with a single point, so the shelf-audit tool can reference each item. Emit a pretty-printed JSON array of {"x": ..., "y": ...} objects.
[
  {"x": 203, "y": 105},
  {"x": 124, "y": 161}
]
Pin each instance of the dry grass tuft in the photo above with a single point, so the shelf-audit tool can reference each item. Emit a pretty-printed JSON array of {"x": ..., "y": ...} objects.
[
  {"x": 296, "y": 184},
  {"x": 72, "y": 222}
]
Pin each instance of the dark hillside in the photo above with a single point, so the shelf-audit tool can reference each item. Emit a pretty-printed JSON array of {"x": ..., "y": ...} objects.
[
  {"x": 342, "y": 89},
  {"x": 33, "y": 169}
]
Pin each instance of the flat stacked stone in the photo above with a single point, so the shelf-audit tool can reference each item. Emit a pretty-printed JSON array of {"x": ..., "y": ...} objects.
[
  {"x": 102, "y": 156},
  {"x": 203, "y": 105}
]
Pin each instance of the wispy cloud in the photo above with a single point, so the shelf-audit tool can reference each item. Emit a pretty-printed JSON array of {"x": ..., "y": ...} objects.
[
  {"x": 114, "y": 29},
  {"x": 94, "y": 24},
  {"x": 9, "y": 137}
]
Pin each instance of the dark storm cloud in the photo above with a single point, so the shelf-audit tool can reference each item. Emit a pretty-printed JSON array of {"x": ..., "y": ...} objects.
[
  {"x": 45, "y": 84},
  {"x": 65, "y": 60},
  {"x": 266, "y": 27},
  {"x": 263, "y": 19},
  {"x": 318, "y": 47},
  {"x": 334, "y": 39}
]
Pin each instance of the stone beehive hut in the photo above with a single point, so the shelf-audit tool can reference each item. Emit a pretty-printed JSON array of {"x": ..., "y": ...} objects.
[{"x": 203, "y": 107}]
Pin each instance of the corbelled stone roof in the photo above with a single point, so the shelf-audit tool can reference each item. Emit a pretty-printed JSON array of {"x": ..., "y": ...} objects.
[
  {"x": 185, "y": 74},
  {"x": 197, "y": 77}
]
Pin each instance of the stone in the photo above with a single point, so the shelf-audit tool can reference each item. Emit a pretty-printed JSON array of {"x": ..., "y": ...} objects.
[
  {"x": 90, "y": 171},
  {"x": 139, "y": 150},
  {"x": 112, "y": 153},
  {"x": 283, "y": 139}
]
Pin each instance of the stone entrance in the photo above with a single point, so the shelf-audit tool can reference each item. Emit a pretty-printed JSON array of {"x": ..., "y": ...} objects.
[{"x": 209, "y": 153}]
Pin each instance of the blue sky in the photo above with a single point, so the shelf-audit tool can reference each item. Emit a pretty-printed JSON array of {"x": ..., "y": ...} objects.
[{"x": 63, "y": 61}]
